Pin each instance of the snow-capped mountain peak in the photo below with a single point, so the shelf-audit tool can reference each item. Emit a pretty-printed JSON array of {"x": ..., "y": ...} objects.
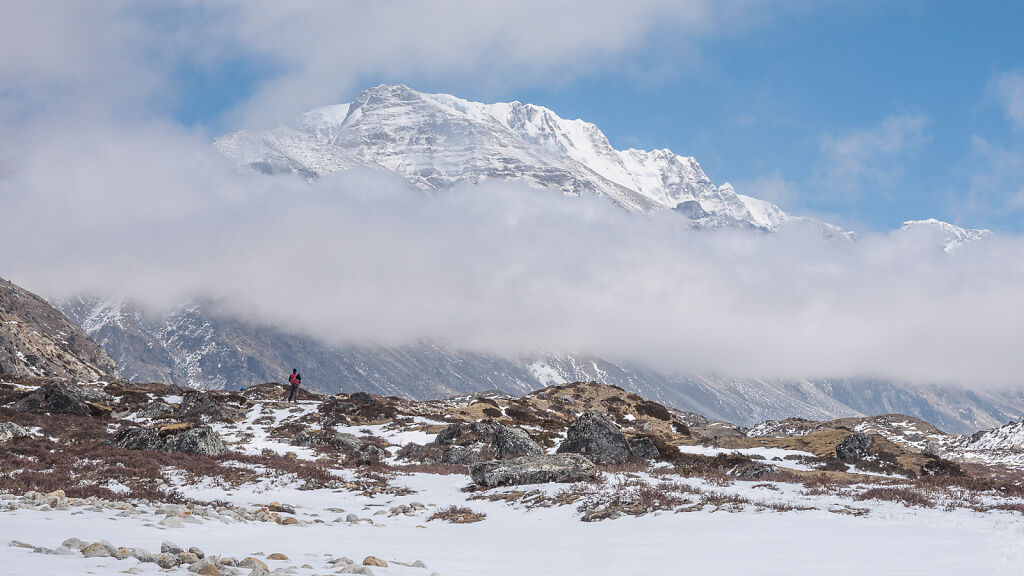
[
  {"x": 951, "y": 236},
  {"x": 437, "y": 141}
]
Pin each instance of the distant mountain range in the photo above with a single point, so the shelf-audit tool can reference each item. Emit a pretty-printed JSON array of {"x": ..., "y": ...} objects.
[{"x": 435, "y": 142}]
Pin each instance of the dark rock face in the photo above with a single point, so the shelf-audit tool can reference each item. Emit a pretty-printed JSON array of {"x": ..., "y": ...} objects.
[
  {"x": 198, "y": 405},
  {"x": 37, "y": 340},
  {"x": 533, "y": 470},
  {"x": 368, "y": 455},
  {"x": 62, "y": 398},
  {"x": 596, "y": 437},
  {"x": 853, "y": 447},
  {"x": 199, "y": 439},
  {"x": 512, "y": 443},
  {"x": 758, "y": 470},
  {"x": 644, "y": 447}
]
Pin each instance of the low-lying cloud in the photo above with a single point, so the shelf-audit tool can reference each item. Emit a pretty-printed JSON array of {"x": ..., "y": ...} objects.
[{"x": 152, "y": 212}]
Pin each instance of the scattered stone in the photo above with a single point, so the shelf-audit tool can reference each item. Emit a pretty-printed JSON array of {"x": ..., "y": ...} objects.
[
  {"x": 20, "y": 544},
  {"x": 197, "y": 552},
  {"x": 96, "y": 550},
  {"x": 464, "y": 434},
  {"x": 142, "y": 555},
  {"x": 187, "y": 558},
  {"x": 208, "y": 570},
  {"x": 418, "y": 564},
  {"x": 277, "y": 507},
  {"x": 533, "y": 470},
  {"x": 513, "y": 442},
  {"x": 374, "y": 561},
  {"x": 277, "y": 556},
  {"x": 10, "y": 431},
  {"x": 644, "y": 447},
  {"x": 356, "y": 569},
  {"x": 74, "y": 543},
  {"x": 853, "y": 447},
  {"x": 172, "y": 522},
  {"x": 166, "y": 560},
  {"x": 169, "y": 547},
  {"x": 254, "y": 563},
  {"x": 596, "y": 437}
]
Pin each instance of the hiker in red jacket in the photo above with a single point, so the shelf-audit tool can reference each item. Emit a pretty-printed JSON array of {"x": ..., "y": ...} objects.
[{"x": 294, "y": 380}]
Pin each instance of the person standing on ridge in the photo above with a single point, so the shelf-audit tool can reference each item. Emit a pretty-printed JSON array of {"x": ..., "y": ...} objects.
[{"x": 294, "y": 379}]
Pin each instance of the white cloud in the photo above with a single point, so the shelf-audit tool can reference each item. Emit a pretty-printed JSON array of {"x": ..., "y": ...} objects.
[
  {"x": 773, "y": 188},
  {"x": 153, "y": 211},
  {"x": 869, "y": 156},
  {"x": 1008, "y": 89}
]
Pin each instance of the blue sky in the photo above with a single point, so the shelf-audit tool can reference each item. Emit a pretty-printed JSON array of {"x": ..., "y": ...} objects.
[
  {"x": 866, "y": 114},
  {"x": 758, "y": 105}
]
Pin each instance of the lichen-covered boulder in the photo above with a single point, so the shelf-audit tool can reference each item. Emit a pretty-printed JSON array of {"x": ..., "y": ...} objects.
[
  {"x": 513, "y": 442},
  {"x": 644, "y": 447},
  {"x": 596, "y": 437},
  {"x": 185, "y": 438},
  {"x": 533, "y": 470},
  {"x": 10, "y": 431},
  {"x": 853, "y": 447}
]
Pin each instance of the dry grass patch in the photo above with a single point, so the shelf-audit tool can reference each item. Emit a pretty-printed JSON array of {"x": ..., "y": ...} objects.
[{"x": 457, "y": 515}]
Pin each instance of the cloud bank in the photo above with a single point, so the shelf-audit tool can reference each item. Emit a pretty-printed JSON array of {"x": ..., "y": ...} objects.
[{"x": 153, "y": 213}]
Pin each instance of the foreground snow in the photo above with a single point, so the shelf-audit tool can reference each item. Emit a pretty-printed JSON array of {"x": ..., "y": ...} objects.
[{"x": 890, "y": 539}]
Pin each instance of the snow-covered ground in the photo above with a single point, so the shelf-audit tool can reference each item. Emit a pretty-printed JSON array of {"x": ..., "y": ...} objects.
[{"x": 890, "y": 539}]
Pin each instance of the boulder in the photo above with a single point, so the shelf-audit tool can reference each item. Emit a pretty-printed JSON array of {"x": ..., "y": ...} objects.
[
  {"x": 328, "y": 439},
  {"x": 513, "y": 442},
  {"x": 199, "y": 405},
  {"x": 10, "y": 431},
  {"x": 460, "y": 455},
  {"x": 644, "y": 447},
  {"x": 186, "y": 438},
  {"x": 758, "y": 470},
  {"x": 597, "y": 438},
  {"x": 368, "y": 455},
  {"x": 374, "y": 561},
  {"x": 853, "y": 447},
  {"x": 463, "y": 434},
  {"x": 64, "y": 398},
  {"x": 533, "y": 470}
]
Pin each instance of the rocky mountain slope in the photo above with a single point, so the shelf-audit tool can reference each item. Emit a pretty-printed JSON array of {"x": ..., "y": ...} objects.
[
  {"x": 192, "y": 346},
  {"x": 37, "y": 340},
  {"x": 437, "y": 141}
]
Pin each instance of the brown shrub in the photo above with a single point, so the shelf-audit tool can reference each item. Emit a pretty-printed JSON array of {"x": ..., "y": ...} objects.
[
  {"x": 907, "y": 496},
  {"x": 457, "y": 515}
]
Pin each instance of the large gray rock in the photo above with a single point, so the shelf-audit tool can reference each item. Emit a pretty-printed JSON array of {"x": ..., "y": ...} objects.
[
  {"x": 462, "y": 433},
  {"x": 853, "y": 447},
  {"x": 460, "y": 455},
  {"x": 10, "y": 431},
  {"x": 199, "y": 405},
  {"x": 597, "y": 438},
  {"x": 64, "y": 398},
  {"x": 513, "y": 442},
  {"x": 199, "y": 439},
  {"x": 533, "y": 470}
]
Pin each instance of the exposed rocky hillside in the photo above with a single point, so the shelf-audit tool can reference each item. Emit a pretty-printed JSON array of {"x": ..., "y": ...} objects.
[{"x": 37, "y": 340}]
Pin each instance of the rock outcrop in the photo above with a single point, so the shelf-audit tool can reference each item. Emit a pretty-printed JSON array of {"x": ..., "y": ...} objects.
[
  {"x": 37, "y": 340},
  {"x": 199, "y": 405},
  {"x": 10, "y": 431},
  {"x": 64, "y": 398},
  {"x": 596, "y": 437},
  {"x": 853, "y": 447},
  {"x": 513, "y": 442},
  {"x": 533, "y": 470},
  {"x": 186, "y": 438}
]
